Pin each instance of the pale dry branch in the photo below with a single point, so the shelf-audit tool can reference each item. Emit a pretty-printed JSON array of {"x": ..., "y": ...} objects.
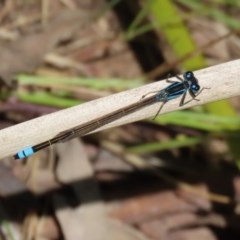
[{"x": 223, "y": 81}]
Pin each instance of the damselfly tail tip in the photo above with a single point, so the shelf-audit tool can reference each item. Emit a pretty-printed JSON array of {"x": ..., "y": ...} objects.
[{"x": 24, "y": 153}]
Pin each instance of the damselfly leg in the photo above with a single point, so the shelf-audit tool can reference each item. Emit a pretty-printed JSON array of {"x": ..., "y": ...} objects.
[{"x": 159, "y": 110}]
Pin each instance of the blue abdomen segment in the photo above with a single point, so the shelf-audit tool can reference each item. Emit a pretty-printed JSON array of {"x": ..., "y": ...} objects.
[{"x": 24, "y": 153}]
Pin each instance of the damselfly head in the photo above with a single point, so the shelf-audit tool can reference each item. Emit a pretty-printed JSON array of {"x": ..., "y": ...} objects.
[{"x": 192, "y": 80}]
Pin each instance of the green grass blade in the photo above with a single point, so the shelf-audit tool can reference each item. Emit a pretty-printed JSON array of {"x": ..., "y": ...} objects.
[
  {"x": 47, "y": 99},
  {"x": 201, "y": 121},
  {"x": 171, "y": 24},
  {"x": 95, "y": 83},
  {"x": 181, "y": 141},
  {"x": 209, "y": 10}
]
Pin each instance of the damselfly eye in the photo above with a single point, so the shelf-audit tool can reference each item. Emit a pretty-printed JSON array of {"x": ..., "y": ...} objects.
[
  {"x": 189, "y": 75},
  {"x": 195, "y": 87}
]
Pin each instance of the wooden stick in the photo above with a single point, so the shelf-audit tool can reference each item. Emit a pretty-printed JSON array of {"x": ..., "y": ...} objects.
[{"x": 223, "y": 79}]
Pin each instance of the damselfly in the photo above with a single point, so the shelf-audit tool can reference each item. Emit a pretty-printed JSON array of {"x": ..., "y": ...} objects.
[{"x": 188, "y": 83}]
